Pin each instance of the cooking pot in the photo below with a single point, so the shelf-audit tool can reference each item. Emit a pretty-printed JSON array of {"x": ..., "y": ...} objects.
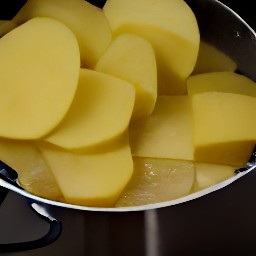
[{"x": 145, "y": 230}]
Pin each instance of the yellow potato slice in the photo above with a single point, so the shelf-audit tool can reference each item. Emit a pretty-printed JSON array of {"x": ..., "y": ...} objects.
[
  {"x": 87, "y": 22},
  {"x": 171, "y": 28},
  {"x": 210, "y": 174},
  {"x": 210, "y": 59},
  {"x": 224, "y": 128},
  {"x": 225, "y": 81},
  {"x": 101, "y": 110},
  {"x": 93, "y": 179},
  {"x": 34, "y": 174},
  {"x": 39, "y": 73},
  {"x": 157, "y": 180},
  {"x": 167, "y": 133},
  {"x": 132, "y": 58}
]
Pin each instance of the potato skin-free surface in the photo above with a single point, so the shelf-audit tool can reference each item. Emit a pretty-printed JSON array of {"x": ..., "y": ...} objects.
[
  {"x": 89, "y": 163},
  {"x": 39, "y": 72},
  {"x": 224, "y": 130},
  {"x": 94, "y": 179},
  {"x": 101, "y": 111},
  {"x": 87, "y": 22},
  {"x": 207, "y": 175},
  {"x": 223, "y": 81},
  {"x": 132, "y": 58},
  {"x": 171, "y": 28},
  {"x": 167, "y": 133}
]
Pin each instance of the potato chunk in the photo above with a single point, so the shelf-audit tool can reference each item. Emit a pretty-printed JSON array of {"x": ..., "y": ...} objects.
[
  {"x": 93, "y": 179},
  {"x": 87, "y": 22},
  {"x": 171, "y": 28},
  {"x": 224, "y": 128},
  {"x": 210, "y": 174},
  {"x": 167, "y": 133},
  {"x": 225, "y": 81},
  {"x": 132, "y": 58},
  {"x": 39, "y": 73},
  {"x": 101, "y": 110}
]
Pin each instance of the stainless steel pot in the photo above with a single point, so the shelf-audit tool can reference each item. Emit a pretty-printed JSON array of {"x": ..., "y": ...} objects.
[{"x": 157, "y": 229}]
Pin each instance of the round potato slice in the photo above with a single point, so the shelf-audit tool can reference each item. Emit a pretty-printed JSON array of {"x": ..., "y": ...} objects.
[
  {"x": 172, "y": 30},
  {"x": 39, "y": 68},
  {"x": 100, "y": 112}
]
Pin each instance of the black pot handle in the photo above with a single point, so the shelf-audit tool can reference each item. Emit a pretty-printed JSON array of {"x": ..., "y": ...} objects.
[{"x": 55, "y": 226}]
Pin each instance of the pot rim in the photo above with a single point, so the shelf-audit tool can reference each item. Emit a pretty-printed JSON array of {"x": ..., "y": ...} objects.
[{"x": 147, "y": 207}]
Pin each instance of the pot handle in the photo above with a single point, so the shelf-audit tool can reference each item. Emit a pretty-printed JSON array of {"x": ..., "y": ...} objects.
[{"x": 55, "y": 226}]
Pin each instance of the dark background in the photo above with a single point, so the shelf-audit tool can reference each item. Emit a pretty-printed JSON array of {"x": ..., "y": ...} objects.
[{"x": 245, "y": 8}]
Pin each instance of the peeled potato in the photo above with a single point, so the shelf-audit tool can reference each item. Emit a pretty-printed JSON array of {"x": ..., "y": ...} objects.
[
  {"x": 222, "y": 104},
  {"x": 224, "y": 131},
  {"x": 39, "y": 73},
  {"x": 167, "y": 132},
  {"x": 94, "y": 179},
  {"x": 210, "y": 174},
  {"x": 87, "y": 22},
  {"x": 70, "y": 131},
  {"x": 172, "y": 30},
  {"x": 225, "y": 81},
  {"x": 132, "y": 58},
  {"x": 101, "y": 111}
]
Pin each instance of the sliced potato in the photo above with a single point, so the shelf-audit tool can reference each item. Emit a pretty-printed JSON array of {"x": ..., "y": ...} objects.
[
  {"x": 93, "y": 179},
  {"x": 39, "y": 73},
  {"x": 225, "y": 81},
  {"x": 210, "y": 174},
  {"x": 167, "y": 133},
  {"x": 170, "y": 26},
  {"x": 132, "y": 58},
  {"x": 87, "y": 22},
  {"x": 101, "y": 111},
  {"x": 224, "y": 130}
]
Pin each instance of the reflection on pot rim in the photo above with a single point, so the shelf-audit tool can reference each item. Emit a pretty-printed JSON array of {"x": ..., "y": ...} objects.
[{"x": 187, "y": 198}]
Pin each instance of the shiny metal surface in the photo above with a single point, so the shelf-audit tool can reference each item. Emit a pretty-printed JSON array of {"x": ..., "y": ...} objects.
[
  {"x": 221, "y": 222},
  {"x": 227, "y": 31}
]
